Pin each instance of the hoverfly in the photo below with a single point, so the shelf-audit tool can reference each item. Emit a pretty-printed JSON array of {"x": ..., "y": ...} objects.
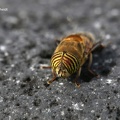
[{"x": 70, "y": 55}]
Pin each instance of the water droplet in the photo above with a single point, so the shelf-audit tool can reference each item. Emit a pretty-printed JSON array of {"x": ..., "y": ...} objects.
[
  {"x": 2, "y": 48},
  {"x": 109, "y": 81},
  {"x": 62, "y": 113}
]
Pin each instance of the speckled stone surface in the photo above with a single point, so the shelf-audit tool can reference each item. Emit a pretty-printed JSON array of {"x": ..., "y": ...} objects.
[{"x": 28, "y": 31}]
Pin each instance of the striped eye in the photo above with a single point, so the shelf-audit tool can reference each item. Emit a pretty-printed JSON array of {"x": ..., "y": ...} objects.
[
  {"x": 71, "y": 62},
  {"x": 65, "y": 62}
]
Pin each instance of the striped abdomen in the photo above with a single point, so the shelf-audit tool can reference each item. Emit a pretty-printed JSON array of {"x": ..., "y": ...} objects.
[{"x": 64, "y": 64}]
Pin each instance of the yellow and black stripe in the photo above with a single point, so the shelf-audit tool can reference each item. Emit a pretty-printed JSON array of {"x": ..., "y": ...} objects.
[{"x": 70, "y": 62}]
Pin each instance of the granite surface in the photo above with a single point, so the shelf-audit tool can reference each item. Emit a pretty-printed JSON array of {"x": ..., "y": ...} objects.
[{"x": 28, "y": 30}]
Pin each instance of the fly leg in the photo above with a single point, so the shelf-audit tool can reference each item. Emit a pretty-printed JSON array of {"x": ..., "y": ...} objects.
[
  {"x": 45, "y": 67},
  {"x": 90, "y": 62},
  {"x": 76, "y": 79},
  {"x": 57, "y": 41},
  {"x": 98, "y": 45},
  {"x": 53, "y": 79},
  {"x": 54, "y": 75}
]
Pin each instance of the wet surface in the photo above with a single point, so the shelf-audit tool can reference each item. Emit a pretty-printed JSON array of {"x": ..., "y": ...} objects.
[{"x": 28, "y": 31}]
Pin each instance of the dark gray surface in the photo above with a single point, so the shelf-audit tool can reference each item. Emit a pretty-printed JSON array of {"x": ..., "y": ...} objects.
[{"x": 27, "y": 40}]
